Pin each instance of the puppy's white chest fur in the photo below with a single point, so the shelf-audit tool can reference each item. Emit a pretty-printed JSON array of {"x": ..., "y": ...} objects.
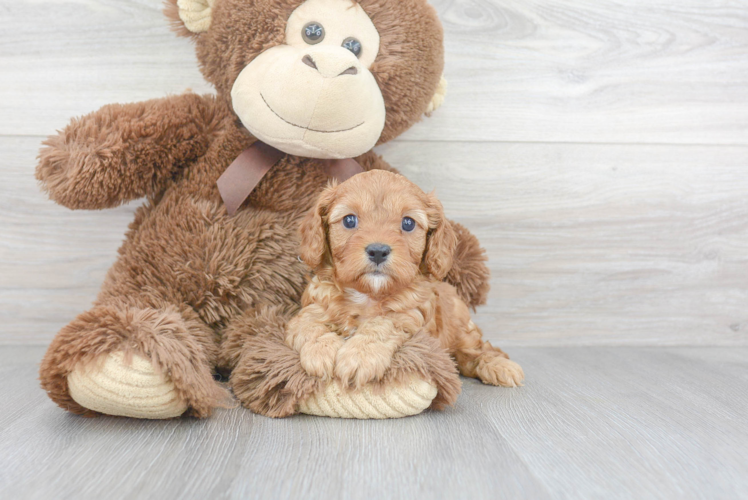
[{"x": 358, "y": 298}]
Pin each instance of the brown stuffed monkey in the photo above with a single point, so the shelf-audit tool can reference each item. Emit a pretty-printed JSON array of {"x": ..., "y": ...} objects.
[{"x": 193, "y": 287}]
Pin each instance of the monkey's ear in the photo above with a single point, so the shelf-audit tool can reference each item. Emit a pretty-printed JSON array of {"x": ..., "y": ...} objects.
[
  {"x": 439, "y": 95},
  {"x": 441, "y": 242},
  {"x": 314, "y": 229},
  {"x": 189, "y": 17}
]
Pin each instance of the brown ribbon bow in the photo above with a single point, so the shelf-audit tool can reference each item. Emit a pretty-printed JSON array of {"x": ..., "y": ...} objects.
[{"x": 244, "y": 173}]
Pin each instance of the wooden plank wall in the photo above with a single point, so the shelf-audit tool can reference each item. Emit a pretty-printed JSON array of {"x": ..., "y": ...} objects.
[{"x": 599, "y": 149}]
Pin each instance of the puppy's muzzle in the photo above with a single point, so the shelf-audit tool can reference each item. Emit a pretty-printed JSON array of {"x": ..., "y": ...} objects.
[{"x": 378, "y": 252}]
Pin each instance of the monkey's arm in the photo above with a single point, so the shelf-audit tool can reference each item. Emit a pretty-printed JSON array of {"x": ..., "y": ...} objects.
[
  {"x": 469, "y": 273},
  {"x": 124, "y": 151}
]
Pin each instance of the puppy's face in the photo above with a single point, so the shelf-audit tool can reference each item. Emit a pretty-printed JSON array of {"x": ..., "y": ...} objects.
[{"x": 378, "y": 231}]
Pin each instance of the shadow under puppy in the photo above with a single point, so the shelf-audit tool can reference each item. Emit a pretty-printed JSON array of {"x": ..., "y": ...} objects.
[{"x": 381, "y": 247}]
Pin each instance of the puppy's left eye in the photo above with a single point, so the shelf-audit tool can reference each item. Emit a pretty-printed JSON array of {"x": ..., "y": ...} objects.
[
  {"x": 350, "y": 221},
  {"x": 408, "y": 224}
]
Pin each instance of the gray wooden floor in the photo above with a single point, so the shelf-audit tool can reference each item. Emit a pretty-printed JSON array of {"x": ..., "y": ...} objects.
[{"x": 591, "y": 422}]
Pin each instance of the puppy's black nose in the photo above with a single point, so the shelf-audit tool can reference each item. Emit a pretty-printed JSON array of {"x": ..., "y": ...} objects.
[{"x": 378, "y": 252}]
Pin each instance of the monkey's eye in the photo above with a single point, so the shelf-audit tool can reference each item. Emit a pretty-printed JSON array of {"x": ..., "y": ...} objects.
[
  {"x": 350, "y": 221},
  {"x": 408, "y": 224},
  {"x": 353, "y": 45},
  {"x": 313, "y": 33}
]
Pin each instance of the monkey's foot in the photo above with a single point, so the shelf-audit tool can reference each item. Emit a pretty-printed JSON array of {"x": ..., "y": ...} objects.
[
  {"x": 134, "y": 389},
  {"x": 394, "y": 401}
]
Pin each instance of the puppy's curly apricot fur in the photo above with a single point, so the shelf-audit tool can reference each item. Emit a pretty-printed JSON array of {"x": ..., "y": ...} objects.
[{"x": 381, "y": 248}]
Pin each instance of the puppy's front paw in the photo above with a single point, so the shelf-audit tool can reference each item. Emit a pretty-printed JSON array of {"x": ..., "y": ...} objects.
[
  {"x": 317, "y": 357},
  {"x": 361, "y": 361},
  {"x": 497, "y": 370}
]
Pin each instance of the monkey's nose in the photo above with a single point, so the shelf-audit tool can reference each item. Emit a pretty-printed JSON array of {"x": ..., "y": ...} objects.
[
  {"x": 330, "y": 68},
  {"x": 307, "y": 59},
  {"x": 378, "y": 252}
]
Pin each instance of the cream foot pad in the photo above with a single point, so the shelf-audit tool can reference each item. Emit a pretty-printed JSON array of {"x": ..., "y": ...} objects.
[
  {"x": 128, "y": 390},
  {"x": 394, "y": 402}
]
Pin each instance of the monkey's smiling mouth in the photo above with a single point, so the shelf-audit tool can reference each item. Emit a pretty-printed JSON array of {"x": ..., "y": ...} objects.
[{"x": 307, "y": 128}]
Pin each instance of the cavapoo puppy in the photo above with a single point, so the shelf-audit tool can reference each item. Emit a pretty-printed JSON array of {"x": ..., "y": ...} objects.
[{"x": 380, "y": 247}]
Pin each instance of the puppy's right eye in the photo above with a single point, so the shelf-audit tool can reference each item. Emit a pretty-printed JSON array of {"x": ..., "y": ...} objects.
[{"x": 350, "y": 221}]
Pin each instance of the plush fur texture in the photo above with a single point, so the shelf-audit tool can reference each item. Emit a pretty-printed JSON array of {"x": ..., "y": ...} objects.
[{"x": 193, "y": 289}]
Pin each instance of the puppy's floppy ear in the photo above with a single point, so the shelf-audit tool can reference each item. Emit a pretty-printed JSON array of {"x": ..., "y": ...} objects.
[
  {"x": 441, "y": 242},
  {"x": 314, "y": 229}
]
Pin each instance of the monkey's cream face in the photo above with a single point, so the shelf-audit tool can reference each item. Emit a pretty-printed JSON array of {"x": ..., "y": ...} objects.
[{"x": 314, "y": 96}]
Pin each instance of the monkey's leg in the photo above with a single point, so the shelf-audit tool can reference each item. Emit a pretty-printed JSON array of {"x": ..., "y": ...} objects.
[
  {"x": 121, "y": 358},
  {"x": 266, "y": 373}
]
